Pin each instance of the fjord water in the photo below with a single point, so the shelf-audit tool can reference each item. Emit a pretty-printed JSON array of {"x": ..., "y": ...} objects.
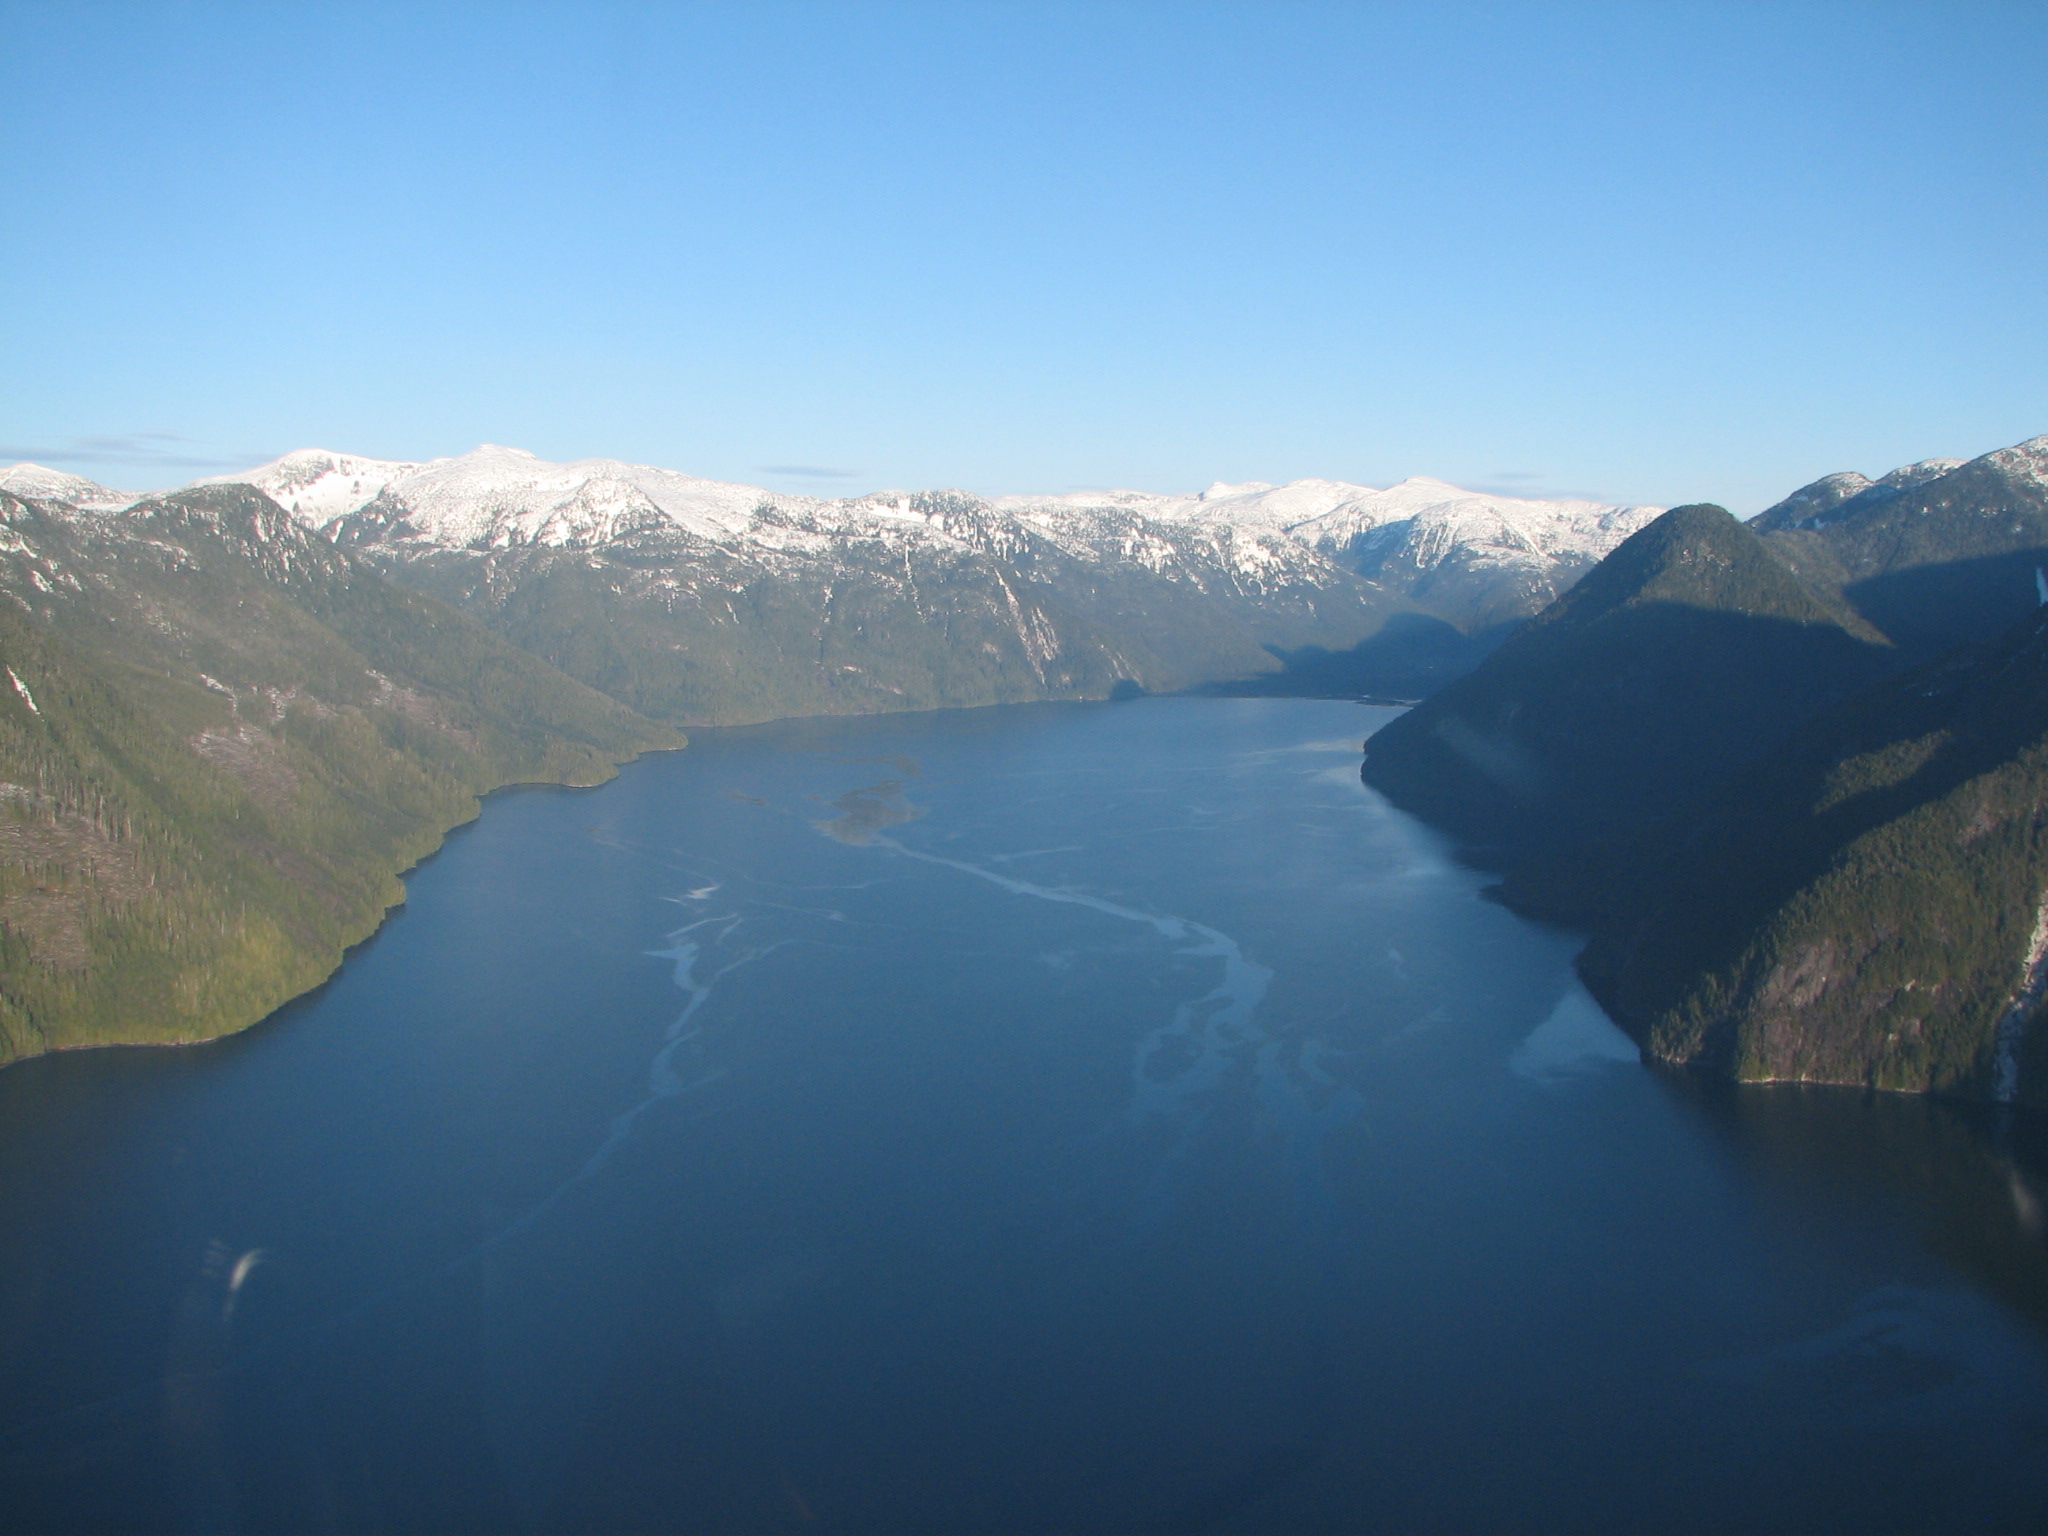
[{"x": 1068, "y": 1118}]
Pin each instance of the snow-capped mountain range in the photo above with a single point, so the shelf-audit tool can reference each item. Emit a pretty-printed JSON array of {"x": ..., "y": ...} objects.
[
  {"x": 497, "y": 498},
  {"x": 699, "y": 600},
  {"x": 622, "y": 572}
]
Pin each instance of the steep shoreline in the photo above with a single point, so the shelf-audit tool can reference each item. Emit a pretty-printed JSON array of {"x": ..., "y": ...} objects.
[
  {"x": 347, "y": 945},
  {"x": 222, "y": 742}
]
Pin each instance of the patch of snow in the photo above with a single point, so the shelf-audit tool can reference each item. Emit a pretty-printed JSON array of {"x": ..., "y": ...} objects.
[
  {"x": 1425, "y": 522},
  {"x": 2026, "y": 1001},
  {"x": 1908, "y": 476},
  {"x": 1422, "y": 520},
  {"x": 2026, "y": 461},
  {"x": 500, "y": 497},
  {"x": 22, "y": 688}
]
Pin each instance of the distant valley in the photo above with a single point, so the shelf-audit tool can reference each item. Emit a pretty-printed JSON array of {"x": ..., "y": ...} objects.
[
  {"x": 1789, "y": 774},
  {"x": 234, "y": 713}
]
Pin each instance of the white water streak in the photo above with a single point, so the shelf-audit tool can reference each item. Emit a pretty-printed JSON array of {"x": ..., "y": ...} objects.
[
  {"x": 1221, "y": 1019},
  {"x": 1215, "y": 1024},
  {"x": 664, "y": 1081},
  {"x": 2005, "y": 1075}
]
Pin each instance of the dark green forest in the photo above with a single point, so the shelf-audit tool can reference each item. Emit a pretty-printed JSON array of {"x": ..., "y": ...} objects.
[
  {"x": 1792, "y": 776},
  {"x": 221, "y": 742}
]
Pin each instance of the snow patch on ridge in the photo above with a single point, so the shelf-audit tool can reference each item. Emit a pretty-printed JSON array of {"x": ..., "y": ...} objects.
[
  {"x": 1422, "y": 521},
  {"x": 2024, "y": 461},
  {"x": 22, "y": 688}
]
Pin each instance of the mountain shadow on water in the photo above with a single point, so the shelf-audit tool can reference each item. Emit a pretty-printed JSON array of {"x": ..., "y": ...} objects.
[
  {"x": 1972, "y": 1179},
  {"x": 1408, "y": 658}
]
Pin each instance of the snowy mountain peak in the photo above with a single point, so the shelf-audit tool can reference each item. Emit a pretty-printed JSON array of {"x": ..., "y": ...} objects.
[
  {"x": 317, "y": 485},
  {"x": 303, "y": 465},
  {"x": 35, "y": 482},
  {"x": 1425, "y": 522},
  {"x": 496, "y": 497}
]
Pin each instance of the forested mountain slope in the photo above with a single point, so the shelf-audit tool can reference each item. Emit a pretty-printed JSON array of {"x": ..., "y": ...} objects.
[
  {"x": 223, "y": 731},
  {"x": 1799, "y": 858},
  {"x": 221, "y": 739},
  {"x": 934, "y": 606},
  {"x": 1867, "y": 905}
]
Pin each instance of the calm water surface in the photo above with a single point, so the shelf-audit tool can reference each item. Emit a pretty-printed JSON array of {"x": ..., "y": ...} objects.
[{"x": 1092, "y": 1119}]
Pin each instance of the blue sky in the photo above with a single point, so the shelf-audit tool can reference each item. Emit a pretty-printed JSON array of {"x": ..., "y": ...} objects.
[{"x": 1646, "y": 252}]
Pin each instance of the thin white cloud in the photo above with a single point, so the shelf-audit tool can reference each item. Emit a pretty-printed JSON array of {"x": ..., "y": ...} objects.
[{"x": 144, "y": 450}]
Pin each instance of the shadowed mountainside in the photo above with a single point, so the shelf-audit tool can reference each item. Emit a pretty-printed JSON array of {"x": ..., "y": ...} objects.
[
  {"x": 1409, "y": 657},
  {"x": 1935, "y": 554},
  {"x": 1683, "y": 655},
  {"x": 1866, "y": 904},
  {"x": 1798, "y": 859}
]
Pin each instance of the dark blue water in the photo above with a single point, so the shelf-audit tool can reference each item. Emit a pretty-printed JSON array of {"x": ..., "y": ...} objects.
[{"x": 1077, "y": 1119}]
